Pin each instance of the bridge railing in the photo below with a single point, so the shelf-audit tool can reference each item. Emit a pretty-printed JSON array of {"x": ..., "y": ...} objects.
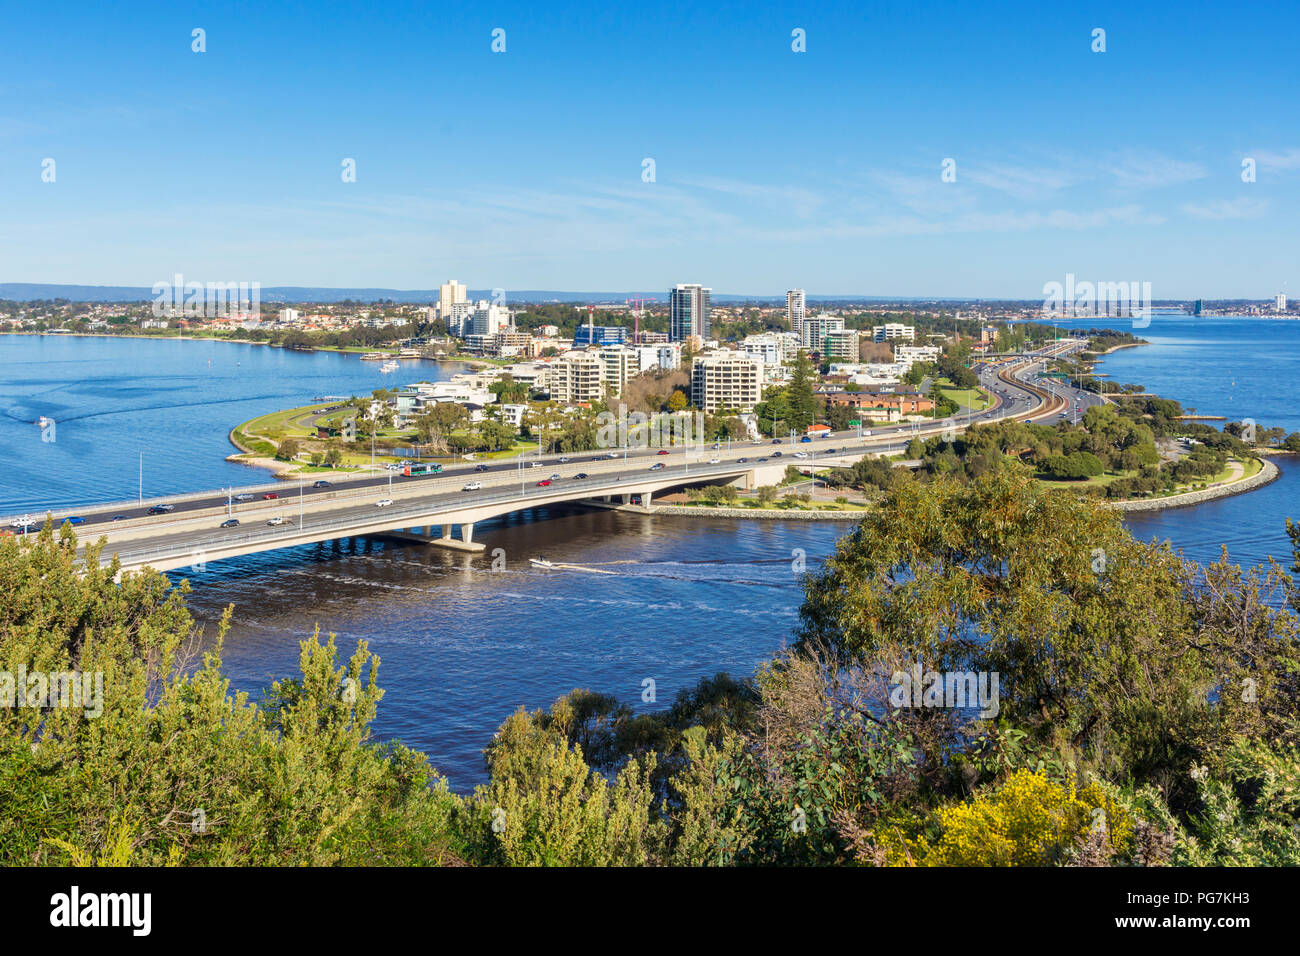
[{"x": 425, "y": 512}]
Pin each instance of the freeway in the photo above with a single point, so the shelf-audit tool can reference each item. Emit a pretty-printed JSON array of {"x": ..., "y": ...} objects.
[{"x": 345, "y": 504}]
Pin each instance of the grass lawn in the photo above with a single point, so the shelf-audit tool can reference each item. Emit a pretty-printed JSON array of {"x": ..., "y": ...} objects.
[{"x": 975, "y": 399}]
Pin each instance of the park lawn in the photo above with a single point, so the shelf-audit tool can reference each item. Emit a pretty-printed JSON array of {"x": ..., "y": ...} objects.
[
  {"x": 975, "y": 399},
  {"x": 284, "y": 423}
]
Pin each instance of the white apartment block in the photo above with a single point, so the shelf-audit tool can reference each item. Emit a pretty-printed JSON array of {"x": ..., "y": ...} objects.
[
  {"x": 666, "y": 356},
  {"x": 577, "y": 377},
  {"x": 907, "y": 354},
  {"x": 726, "y": 380},
  {"x": 288, "y": 316},
  {"x": 450, "y": 293},
  {"x": 892, "y": 331},
  {"x": 621, "y": 364}
]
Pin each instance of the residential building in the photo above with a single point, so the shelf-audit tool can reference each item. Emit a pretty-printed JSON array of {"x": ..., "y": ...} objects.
[
  {"x": 578, "y": 376},
  {"x": 621, "y": 363},
  {"x": 450, "y": 293},
  {"x": 840, "y": 344},
  {"x": 688, "y": 311},
  {"x": 288, "y": 316},
  {"x": 726, "y": 380},
  {"x": 795, "y": 310},
  {"x": 916, "y": 353},
  {"x": 815, "y": 328},
  {"x": 893, "y": 331}
]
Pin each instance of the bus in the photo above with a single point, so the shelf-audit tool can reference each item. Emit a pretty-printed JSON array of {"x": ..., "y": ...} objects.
[{"x": 424, "y": 469}]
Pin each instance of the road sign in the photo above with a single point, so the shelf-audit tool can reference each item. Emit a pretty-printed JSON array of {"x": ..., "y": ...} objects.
[{"x": 854, "y": 422}]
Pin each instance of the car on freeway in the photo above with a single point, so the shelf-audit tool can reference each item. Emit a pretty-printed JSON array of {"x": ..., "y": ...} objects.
[
  {"x": 657, "y": 466},
  {"x": 776, "y": 454},
  {"x": 473, "y": 486},
  {"x": 244, "y": 497},
  {"x": 776, "y": 441},
  {"x": 161, "y": 509},
  {"x": 717, "y": 446},
  {"x": 761, "y": 460},
  {"x": 715, "y": 461},
  {"x": 321, "y": 484},
  {"x": 270, "y": 496},
  {"x": 579, "y": 476},
  {"x": 383, "y": 502},
  {"x": 543, "y": 483},
  {"x": 275, "y": 520},
  {"x": 612, "y": 454},
  {"x": 663, "y": 451},
  {"x": 230, "y": 523},
  {"x": 563, "y": 460},
  {"x": 480, "y": 468},
  {"x": 118, "y": 518},
  {"x": 806, "y": 438},
  {"x": 741, "y": 461},
  {"x": 801, "y": 454},
  {"x": 556, "y": 477},
  {"x": 533, "y": 464},
  {"x": 392, "y": 466},
  {"x": 75, "y": 520}
]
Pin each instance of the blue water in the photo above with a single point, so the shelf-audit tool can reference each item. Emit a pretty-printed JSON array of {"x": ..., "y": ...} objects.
[
  {"x": 463, "y": 646},
  {"x": 174, "y": 402}
]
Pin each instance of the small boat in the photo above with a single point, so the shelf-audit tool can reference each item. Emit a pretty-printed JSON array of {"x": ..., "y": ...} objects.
[
  {"x": 540, "y": 563},
  {"x": 389, "y": 367}
]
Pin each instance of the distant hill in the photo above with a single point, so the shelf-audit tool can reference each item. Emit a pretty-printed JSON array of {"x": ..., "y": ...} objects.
[{"x": 29, "y": 291}]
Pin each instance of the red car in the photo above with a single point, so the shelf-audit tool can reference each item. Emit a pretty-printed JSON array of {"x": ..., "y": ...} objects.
[
  {"x": 543, "y": 483},
  {"x": 662, "y": 451},
  {"x": 269, "y": 495}
]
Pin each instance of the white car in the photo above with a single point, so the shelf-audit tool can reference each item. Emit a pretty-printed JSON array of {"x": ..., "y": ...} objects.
[
  {"x": 392, "y": 467},
  {"x": 244, "y": 497},
  {"x": 383, "y": 502},
  {"x": 801, "y": 454},
  {"x": 276, "y": 520},
  {"x": 715, "y": 461},
  {"x": 533, "y": 464},
  {"x": 473, "y": 486}
]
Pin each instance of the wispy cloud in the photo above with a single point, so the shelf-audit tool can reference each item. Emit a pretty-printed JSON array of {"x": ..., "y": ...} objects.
[{"x": 1244, "y": 207}]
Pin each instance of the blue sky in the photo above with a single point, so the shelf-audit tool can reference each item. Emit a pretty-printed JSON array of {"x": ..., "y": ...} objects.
[{"x": 773, "y": 169}]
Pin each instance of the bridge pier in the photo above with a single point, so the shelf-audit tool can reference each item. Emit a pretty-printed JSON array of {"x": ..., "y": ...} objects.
[{"x": 466, "y": 541}]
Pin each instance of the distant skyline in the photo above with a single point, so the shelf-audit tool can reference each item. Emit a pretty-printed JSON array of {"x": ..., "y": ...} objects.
[{"x": 772, "y": 169}]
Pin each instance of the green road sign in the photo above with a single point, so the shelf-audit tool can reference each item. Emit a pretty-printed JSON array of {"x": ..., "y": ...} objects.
[{"x": 854, "y": 421}]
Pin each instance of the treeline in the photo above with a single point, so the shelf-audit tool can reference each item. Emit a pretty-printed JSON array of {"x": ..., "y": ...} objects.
[{"x": 1175, "y": 746}]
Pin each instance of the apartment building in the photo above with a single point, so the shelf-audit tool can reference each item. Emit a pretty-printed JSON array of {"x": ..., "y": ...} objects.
[
  {"x": 576, "y": 377},
  {"x": 726, "y": 380},
  {"x": 688, "y": 311},
  {"x": 795, "y": 310},
  {"x": 893, "y": 331}
]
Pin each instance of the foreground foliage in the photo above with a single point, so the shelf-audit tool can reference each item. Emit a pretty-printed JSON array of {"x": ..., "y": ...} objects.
[{"x": 1144, "y": 714}]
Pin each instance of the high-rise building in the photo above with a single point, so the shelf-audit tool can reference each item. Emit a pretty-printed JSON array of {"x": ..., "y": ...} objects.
[
  {"x": 621, "y": 363},
  {"x": 449, "y": 293},
  {"x": 1198, "y": 306},
  {"x": 1280, "y": 302},
  {"x": 688, "y": 311},
  {"x": 487, "y": 318},
  {"x": 794, "y": 309},
  {"x": 726, "y": 380}
]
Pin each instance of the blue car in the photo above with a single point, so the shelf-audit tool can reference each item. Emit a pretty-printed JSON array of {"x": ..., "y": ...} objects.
[{"x": 75, "y": 520}]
